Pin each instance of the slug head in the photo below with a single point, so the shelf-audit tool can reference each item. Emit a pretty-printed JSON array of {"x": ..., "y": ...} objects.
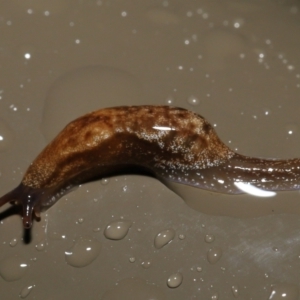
[{"x": 30, "y": 199}]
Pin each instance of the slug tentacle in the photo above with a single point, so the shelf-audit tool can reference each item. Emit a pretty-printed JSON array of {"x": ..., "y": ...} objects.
[
  {"x": 29, "y": 199},
  {"x": 171, "y": 143}
]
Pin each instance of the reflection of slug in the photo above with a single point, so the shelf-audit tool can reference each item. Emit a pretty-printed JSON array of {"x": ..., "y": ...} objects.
[{"x": 171, "y": 143}]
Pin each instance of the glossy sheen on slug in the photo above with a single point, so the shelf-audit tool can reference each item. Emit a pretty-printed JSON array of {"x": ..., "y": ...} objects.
[{"x": 170, "y": 143}]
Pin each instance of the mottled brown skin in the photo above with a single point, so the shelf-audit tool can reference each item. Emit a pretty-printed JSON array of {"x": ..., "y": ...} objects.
[
  {"x": 127, "y": 135},
  {"x": 169, "y": 143}
]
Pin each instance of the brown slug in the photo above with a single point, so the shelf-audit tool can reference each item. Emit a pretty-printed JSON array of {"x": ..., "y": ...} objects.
[{"x": 172, "y": 144}]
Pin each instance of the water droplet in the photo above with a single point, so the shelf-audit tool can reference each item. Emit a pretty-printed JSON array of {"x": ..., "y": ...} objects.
[
  {"x": 235, "y": 290},
  {"x": 146, "y": 264},
  {"x": 132, "y": 259},
  {"x": 215, "y": 296},
  {"x": 13, "y": 268},
  {"x": 284, "y": 291},
  {"x": 164, "y": 238},
  {"x": 170, "y": 100},
  {"x": 199, "y": 269},
  {"x": 214, "y": 255},
  {"x": 104, "y": 181},
  {"x": 40, "y": 246},
  {"x": 85, "y": 251},
  {"x": 97, "y": 229},
  {"x": 193, "y": 100},
  {"x": 209, "y": 238},
  {"x": 175, "y": 280},
  {"x": 291, "y": 129},
  {"x": 57, "y": 236},
  {"x": 13, "y": 242},
  {"x": 6, "y": 136},
  {"x": 26, "y": 291},
  {"x": 80, "y": 220},
  {"x": 117, "y": 230},
  {"x": 13, "y": 108},
  {"x": 181, "y": 236},
  {"x": 125, "y": 187},
  {"x": 238, "y": 23}
]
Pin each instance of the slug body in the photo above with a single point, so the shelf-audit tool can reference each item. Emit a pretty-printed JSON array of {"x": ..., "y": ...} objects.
[{"x": 173, "y": 144}]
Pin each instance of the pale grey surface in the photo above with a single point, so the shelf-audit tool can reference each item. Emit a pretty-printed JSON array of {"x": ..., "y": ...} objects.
[{"x": 239, "y": 61}]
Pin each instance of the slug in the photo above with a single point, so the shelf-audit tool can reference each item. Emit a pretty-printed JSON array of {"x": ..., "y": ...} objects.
[{"x": 170, "y": 143}]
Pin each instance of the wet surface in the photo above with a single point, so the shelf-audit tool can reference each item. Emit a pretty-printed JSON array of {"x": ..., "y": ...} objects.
[{"x": 236, "y": 63}]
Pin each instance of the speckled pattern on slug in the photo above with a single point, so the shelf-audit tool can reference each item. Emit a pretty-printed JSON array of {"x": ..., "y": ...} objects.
[{"x": 156, "y": 137}]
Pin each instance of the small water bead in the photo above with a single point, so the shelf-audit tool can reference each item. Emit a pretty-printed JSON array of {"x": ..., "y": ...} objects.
[
  {"x": 192, "y": 100},
  {"x": 175, "y": 280},
  {"x": 209, "y": 238},
  {"x": 56, "y": 236},
  {"x": 80, "y": 220},
  {"x": 235, "y": 291},
  {"x": 6, "y": 136},
  {"x": 291, "y": 129},
  {"x": 214, "y": 255},
  {"x": 146, "y": 264},
  {"x": 284, "y": 291},
  {"x": 13, "y": 108},
  {"x": 132, "y": 259},
  {"x": 97, "y": 229},
  {"x": 104, "y": 181},
  {"x": 291, "y": 67},
  {"x": 215, "y": 296},
  {"x": 13, "y": 242},
  {"x": 13, "y": 268},
  {"x": 26, "y": 291},
  {"x": 181, "y": 236},
  {"x": 117, "y": 230},
  {"x": 40, "y": 246},
  {"x": 170, "y": 101},
  {"x": 83, "y": 252},
  {"x": 199, "y": 269},
  {"x": 237, "y": 23},
  {"x": 163, "y": 238}
]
